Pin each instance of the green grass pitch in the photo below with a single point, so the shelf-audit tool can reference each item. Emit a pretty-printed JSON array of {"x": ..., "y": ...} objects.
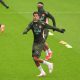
[{"x": 16, "y": 62}]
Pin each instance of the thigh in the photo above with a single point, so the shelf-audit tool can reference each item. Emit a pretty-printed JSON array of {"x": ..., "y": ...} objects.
[
  {"x": 37, "y": 49},
  {"x": 46, "y": 33}
]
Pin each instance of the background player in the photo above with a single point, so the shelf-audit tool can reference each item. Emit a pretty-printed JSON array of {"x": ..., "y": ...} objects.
[
  {"x": 37, "y": 28},
  {"x": 44, "y": 17}
]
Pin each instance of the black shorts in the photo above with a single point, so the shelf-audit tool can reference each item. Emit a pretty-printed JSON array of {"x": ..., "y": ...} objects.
[
  {"x": 37, "y": 48},
  {"x": 46, "y": 33}
]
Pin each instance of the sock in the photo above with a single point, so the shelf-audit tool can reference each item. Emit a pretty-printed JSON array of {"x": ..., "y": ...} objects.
[
  {"x": 40, "y": 68},
  {"x": 49, "y": 50},
  {"x": 46, "y": 62},
  {"x": 46, "y": 52}
]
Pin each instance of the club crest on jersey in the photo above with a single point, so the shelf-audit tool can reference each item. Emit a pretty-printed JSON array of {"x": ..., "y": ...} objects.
[{"x": 40, "y": 26}]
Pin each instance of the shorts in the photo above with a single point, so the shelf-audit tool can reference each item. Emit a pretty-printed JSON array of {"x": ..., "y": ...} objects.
[
  {"x": 46, "y": 33},
  {"x": 37, "y": 48}
]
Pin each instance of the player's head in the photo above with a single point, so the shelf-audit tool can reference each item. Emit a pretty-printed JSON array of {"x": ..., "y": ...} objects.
[
  {"x": 40, "y": 4},
  {"x": 36, "y": 16}
]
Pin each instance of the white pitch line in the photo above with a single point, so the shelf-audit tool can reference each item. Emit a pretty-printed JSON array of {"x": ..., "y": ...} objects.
[
  {"x": 68, "y": 46},
  {"x": 65, "y": 44},
  {"x": 28, "y": 12},
  {"x": 16, "y": 12}
]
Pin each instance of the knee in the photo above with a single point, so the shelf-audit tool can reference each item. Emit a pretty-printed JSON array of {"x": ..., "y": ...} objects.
[{"x": 35, "y": 58}]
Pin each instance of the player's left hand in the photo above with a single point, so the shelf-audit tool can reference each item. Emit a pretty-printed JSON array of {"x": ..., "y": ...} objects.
[{"x": 62, "y": 30}]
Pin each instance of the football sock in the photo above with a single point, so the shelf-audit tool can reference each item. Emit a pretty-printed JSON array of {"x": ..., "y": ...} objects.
[
  {"x": 49, "y": 50},
  {"x": 46, "y": 52},
  {"x": 46, "y": 62},
  {"x": 40, "y": 68}
]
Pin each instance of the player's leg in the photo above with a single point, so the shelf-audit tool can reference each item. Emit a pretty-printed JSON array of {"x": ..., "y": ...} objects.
[
  {"x": 38, "y": 61},
  {"x": 46, "y": 47},
  {"x": 36, "y": 53},
  {"x": 3, "y": 3},
  {"x": 47, "y": 21},
  {"x": 48, "y": 51}
]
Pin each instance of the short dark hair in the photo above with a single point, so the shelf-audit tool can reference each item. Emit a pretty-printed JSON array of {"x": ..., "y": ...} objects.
[
  {"x": 35, "y": 13},
  {"x": 40, "y": 3}
]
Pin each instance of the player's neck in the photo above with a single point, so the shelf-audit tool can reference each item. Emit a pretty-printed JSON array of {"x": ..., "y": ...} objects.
[{"x": 40, "y": 10}]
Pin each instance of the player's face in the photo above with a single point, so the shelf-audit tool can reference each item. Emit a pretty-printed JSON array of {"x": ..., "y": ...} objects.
[
  {"x": 35, "y": 17},
  {"x": 39, "y": 6}
]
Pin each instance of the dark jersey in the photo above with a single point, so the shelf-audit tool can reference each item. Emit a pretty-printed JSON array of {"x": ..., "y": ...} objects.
[
  {"x": 37, "y": 29},
  {"x": 44, "y": 14}
]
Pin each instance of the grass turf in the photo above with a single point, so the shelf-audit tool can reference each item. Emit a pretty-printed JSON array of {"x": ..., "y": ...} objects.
[{"x": 15, "y": 49}]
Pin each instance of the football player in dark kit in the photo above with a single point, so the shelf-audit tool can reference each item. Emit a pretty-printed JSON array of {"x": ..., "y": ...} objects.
[
  {"x": 37, "y": 28},
  {"x": 3, "y": 3},
  {"x": 44, "y": 15}
]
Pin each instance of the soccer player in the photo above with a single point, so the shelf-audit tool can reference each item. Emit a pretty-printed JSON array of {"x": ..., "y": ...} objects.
[
  {"x": 3, "y": 3},
  {"x": 44, "y": 17},
  {"x": 37, "y": 28},
  {"x": 2, "y": 27}
]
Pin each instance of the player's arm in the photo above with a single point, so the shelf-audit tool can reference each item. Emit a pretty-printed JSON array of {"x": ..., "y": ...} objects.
[
  {"x": 47, "y": 26},
  {"x": 52, "y": 18},
  {"x": 58, "y": 30},
  {"x": 27, "y": 28}
]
